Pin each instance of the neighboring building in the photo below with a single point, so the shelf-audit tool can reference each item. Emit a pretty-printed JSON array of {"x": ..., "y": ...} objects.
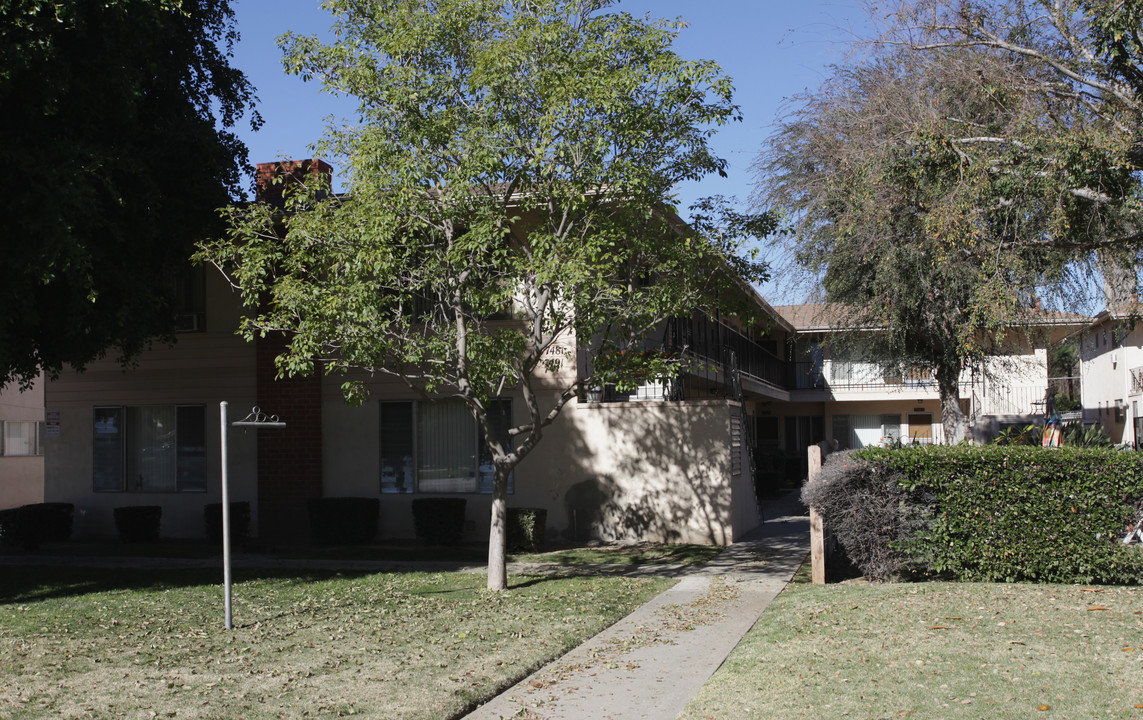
[
  {"x": 21, "y": 445},
  {"x": 861, "y": 401},
  {"x": 1111, "y": 374}
]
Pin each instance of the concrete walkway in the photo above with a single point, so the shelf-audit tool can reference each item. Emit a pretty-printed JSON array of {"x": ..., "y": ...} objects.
[
  {"x": 647, "y": 665},
  {"x": 651, "y": 663}
]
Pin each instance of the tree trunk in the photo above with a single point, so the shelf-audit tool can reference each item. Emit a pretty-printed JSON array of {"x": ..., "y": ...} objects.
[
  {"x": 497, "y": 532},
  {"x": 952, "y": 417}
]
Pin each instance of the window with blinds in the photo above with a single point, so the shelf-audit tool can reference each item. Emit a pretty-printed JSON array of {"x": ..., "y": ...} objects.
[
  {"x": 437, "y": 447},
  {"x": 149, "y": 448},
  {"x": 21, "y": 438}
]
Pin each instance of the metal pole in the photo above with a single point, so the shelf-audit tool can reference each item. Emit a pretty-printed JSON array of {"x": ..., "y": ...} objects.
[{"x": 224, "y": 428}]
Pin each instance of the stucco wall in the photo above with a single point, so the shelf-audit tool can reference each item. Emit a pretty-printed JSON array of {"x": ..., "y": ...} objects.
[
  {"x": 22, "y": 478},
  {"x": 200, "y": 369},
  {"x": 622, "y": 471}
]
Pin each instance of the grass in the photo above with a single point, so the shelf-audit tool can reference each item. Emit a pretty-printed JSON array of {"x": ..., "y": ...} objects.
[
  {"x": 638, "y": 554},
  {"x": 85, "y": 643},
  {"x": 935, "y": 650},
  {"x": 631, "y": 554}
]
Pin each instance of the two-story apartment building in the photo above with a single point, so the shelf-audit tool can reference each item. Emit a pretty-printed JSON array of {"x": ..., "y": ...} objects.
[
  {"x": 862, "y": 401},
  {"x": 669, "y": 462},
  {"x": 675, "y": 460}
]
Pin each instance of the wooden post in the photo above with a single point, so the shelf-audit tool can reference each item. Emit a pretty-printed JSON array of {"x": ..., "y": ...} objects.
[{"x": 817, "y": 532}]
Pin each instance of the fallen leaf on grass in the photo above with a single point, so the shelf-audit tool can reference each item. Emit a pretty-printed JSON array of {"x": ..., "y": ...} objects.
[
  {"x": 1091, "y": 589},
  {"x": 1096, "y": 607},
  {"x": 1139, "y": 705},
  {"x": 1044, "y": 707},
  {"x": 939, "y": 627}
]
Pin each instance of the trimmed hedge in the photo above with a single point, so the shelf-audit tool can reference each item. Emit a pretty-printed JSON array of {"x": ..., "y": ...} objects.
[
  {"x": 526, "y": 529},
  {"x": 343, "y": 520},
  {"x": 29, "y": 525},
  {"x": 991, "y": 513},
  {"x": 239, "y": 521},
  {"x": 439, "y": 521},
  {"x": 138, "y": 523}
]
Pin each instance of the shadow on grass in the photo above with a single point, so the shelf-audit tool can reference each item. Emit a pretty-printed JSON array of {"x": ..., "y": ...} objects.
[{"x": 32, "y": 584}]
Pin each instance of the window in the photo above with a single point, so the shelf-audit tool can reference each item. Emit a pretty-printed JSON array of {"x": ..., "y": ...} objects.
[
  {"x": 149, "y": 448},
  {"x": 437, "y": 447},
  {"x": 858, "y": 431},
  {"x": 22, "y": 438},
  {"x": 190, "y": 300}
]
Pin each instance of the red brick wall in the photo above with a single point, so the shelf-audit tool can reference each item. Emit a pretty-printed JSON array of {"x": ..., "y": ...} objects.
[{"x": 289, "y": 459}]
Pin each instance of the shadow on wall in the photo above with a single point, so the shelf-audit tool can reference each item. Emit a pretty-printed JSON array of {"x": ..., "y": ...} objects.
[{"x": 658, "y": 472}]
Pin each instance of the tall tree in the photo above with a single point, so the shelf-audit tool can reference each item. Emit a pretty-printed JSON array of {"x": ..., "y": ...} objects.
[
  {"x": 1079, "y": 66},
  {"x": 115, "y": 164},
  {"x": 985, "y": 152},
  {"x": 505, "y": 203}
]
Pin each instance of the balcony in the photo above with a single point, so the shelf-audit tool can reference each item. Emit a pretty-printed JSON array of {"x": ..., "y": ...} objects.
[
  {"x": 719, "y": 345},
  {"x": 712, "y": 352},
  {"x": 848, "y": 375}
]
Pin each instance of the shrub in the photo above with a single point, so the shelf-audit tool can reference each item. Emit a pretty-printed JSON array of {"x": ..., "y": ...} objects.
[
  {"x": 138, "y": 523},
  {"x": 343, "y": 520},
  {"x": 526, "y": 529},
  {"x": 861, "y": 507},
  {"x": 29, "y": 525},
  {"x": 439, "y": 521},
  {"x": 1039, "y": 514},
  {"x": 239, "y": 521},
  {"x": 990, "y": 513}
]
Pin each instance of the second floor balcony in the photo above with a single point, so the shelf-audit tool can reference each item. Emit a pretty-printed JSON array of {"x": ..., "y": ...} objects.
[{"x": 848, "y": 375}]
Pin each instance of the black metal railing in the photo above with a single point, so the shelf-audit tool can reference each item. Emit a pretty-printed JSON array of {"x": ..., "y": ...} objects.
[
  {"x": 711, "y": 351},
  {"x": 706, "y": 339}
]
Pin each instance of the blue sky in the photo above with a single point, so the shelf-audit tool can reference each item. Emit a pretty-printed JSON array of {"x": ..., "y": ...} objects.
[{"x": 772, "y": 48}]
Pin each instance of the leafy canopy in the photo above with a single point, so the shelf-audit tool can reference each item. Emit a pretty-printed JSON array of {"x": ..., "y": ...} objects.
[
  {"x": 985, "y": 153},
  {"x": 507, "y": 208},
  {"x": 114, "y": 166}
]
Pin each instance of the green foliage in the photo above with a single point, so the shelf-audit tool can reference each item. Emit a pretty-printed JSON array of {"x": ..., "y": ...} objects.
[
  {"x": 439, "y": 521},
  {"x": 28, "y": 526},
  {"x": 508, "y": 203},
  {"x": 117, "y": 155},
  {"x": 526, "y": 529},
  {"x": 1020, "y": 435},
  {"x": 1012, "y": 513},
  {"x": 343, "y": 520},
  {"x": 1075, "y": 434},
  {"x": 138, "y": 523}
]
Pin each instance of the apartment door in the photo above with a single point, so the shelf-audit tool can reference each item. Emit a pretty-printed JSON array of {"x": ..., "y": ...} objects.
[{"x": 921, "y": 428}]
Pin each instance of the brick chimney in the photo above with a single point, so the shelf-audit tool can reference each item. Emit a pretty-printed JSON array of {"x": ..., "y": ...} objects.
[
  {"x": 289, "y": 459},
  {"x": 294, "y": 171}
]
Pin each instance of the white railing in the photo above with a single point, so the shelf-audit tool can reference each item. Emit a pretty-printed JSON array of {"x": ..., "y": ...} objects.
[{"x": 1012, "y": 400}]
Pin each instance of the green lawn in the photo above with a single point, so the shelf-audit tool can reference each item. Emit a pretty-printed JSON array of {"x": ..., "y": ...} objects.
[
  {"x": 82, "y": 643},
  {"x": 634, "y": 554},
  {"x": 936, "y": 650}
]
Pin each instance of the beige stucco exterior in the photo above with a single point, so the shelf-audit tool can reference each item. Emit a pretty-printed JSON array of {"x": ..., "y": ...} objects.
[
  {"x": 22, "y": 477},
  {"x": 658, "y": 471},
  {"x": 202, "y": 368}
]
